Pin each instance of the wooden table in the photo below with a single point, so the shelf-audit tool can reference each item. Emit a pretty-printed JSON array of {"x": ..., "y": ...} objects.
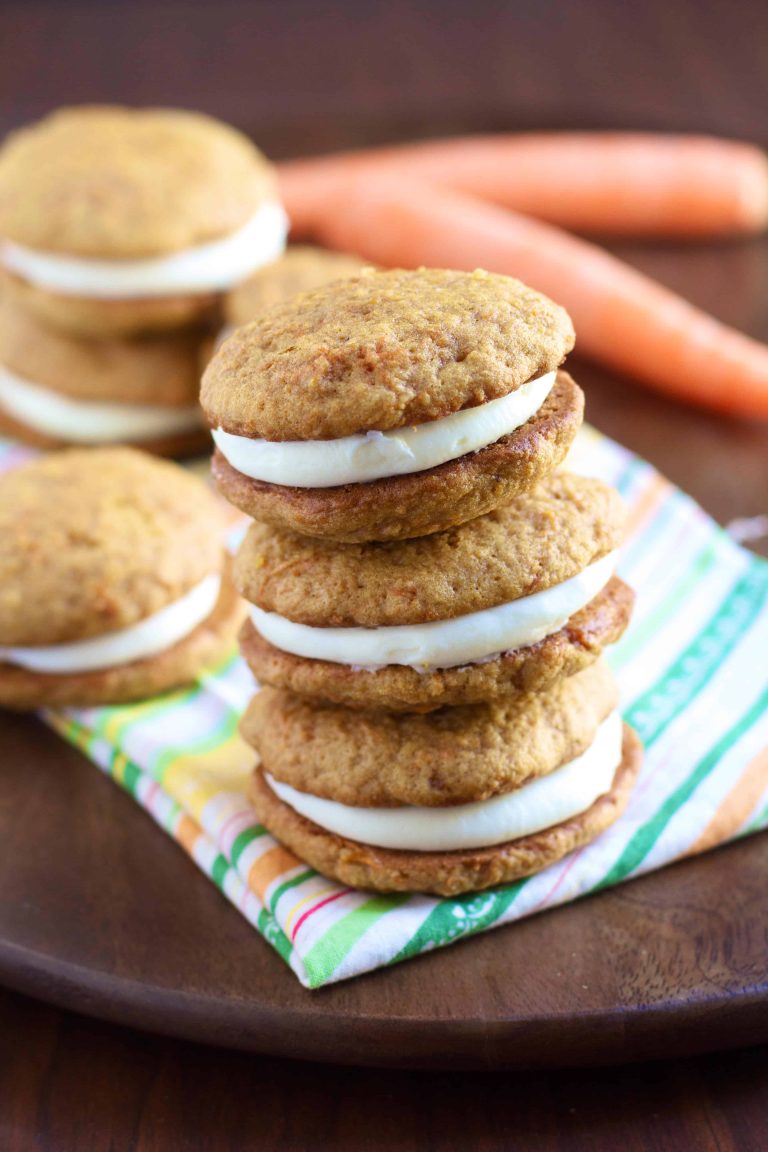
[
  {"x": 81, "y": 1085},
  {"x": 304, "y": 78}
]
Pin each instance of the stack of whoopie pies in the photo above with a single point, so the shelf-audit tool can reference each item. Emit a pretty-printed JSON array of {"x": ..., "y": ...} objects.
[
  {"x": 429, "y": 598},
  {"x": 120, "y": 230}
]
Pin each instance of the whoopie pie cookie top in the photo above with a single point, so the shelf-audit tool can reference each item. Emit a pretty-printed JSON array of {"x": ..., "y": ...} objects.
[
  {"x": 108, "y": 182},
  {"x": 530, "y": 543},
  {"x": 453, "y": 756},
  {"x": 95, "y": 540},
  {"x": 380, "y": 351}
]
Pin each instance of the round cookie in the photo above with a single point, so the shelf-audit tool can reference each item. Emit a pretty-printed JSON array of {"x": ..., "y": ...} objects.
[
  {"x": 524, "y": 546},
  {"x": 443, "y": 873},
  {"x": 453, "y": 756},
  {"x": 299, "y": 270},
  {"x": 382, "y": 351},
  {"x": 382, "y": 354},
  {"x": 530, "y": 544},
  {"x": 120, "y": 185},
  {"x": 107, "y": 182},
  {"x": 92, "y": 544},
  {"x": 157, "y": 372}
]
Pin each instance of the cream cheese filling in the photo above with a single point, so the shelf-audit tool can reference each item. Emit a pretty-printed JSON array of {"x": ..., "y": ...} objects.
[
  {"x": 542, "y": 803},
  {"x": 147, "y": 638},
  {"x": 212, "y": 267},
  {"x": 374, "y": 455},
  {"x": 90, "y": 421},
  {"x": 442, "y": 643}
]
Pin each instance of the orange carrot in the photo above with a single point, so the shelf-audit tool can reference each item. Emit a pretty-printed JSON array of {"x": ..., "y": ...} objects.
[
  {"x": 623, "y": 319},
  {"x": 611, "y": 183}
]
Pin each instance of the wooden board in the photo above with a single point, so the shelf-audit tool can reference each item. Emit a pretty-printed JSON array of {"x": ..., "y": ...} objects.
[
  {"x": 99, "y": 911},
  {"x": 102, "y": 913}
]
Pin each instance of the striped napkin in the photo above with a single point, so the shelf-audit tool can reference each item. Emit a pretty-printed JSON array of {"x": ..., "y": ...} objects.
[{"x": 693, "y": 674}]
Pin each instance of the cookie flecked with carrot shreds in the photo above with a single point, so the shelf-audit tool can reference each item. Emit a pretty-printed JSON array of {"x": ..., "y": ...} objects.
[
  {"x": 508, "y": 602},
  {"x": 112, "y": 581},
  {"x": 392, "y": 404},
  {"x": 453, "y": 801}
]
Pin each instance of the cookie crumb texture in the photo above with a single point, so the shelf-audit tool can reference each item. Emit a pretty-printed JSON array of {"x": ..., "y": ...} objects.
[
  {"x": 380, "y": 351},
  {"x": 443, "y": 873},
  {"x": 102, "y": 181},
  {"x": 454, "y": 756},
  {"x": 417, "y": 504},
  {"x": 94, "y": 540},
  {"x": 528, "y": 544}
]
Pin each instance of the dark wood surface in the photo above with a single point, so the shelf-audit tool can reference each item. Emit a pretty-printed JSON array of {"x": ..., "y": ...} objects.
[
  {"x": 83, "y": 1086},
  {"x": 303, "y": 78}
]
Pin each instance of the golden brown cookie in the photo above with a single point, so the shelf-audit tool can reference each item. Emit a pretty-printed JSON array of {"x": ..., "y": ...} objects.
[
  {"x": 443, "y": 873},
  {"x": 452, "y": 756},
  {"x": 396, "y": 688},
  {"x": 103, "y": 183},
  {"x": 93, "y": 540},
  {"x": 418, "y": 503},
  {"x": 381, "y": 351},
  {"x": 299, "y": 270},
  {"x": 112, "y": 183},
  {"x": 529, "y": 544},
  {"x": 532, "y": 543}
]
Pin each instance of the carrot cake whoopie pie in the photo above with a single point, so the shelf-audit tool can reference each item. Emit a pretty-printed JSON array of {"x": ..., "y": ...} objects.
[
  {"x": 112, "y": 583},
  {"x": 448, "y": 802},
  {"x": 58, "y": 389},
  {"x": 392, "y": 404},
  {"x": 120, "y": 220},
  {"x": 511, "y": 600}
]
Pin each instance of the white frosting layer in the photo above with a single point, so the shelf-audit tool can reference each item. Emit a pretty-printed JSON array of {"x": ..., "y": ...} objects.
[
  {"x": 374, "y": 455},
  {"x": 212, "y": 267},
  {"x": 89, "y": 421},
  {"x": 158, "y": 632},
  {"x": 442, "y": 643},
  {"x": 542, "y": 803}
]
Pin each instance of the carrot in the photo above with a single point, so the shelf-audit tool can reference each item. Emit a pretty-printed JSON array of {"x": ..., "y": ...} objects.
[
  {"x": 611, "y": 183},
  {"x": 623, "y": 319}
]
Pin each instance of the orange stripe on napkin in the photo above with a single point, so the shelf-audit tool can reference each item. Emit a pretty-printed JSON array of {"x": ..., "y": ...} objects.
[
  {"x": 646, "y": 505},
  {"x": 736, "y": 806},
  {"x": 187, "y": 832},
  {"x": 268, "y": 868}
]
